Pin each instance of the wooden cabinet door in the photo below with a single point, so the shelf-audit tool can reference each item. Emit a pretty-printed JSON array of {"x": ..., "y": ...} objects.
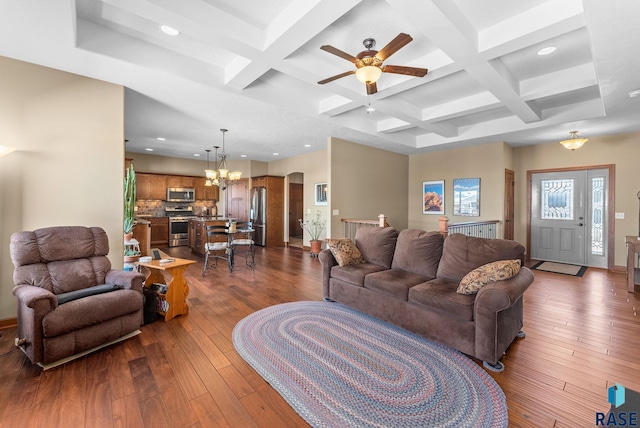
[
  {"x": 212, "y": 193},
  {"x": 258, "y": 182},
  {"x": 198, "y": 185},
  {"x": 179, "y": 181},
  {"x": 159, "y": 231},
  {"x": 143, "y": 186},
  {"x": 158, "y": 190}
]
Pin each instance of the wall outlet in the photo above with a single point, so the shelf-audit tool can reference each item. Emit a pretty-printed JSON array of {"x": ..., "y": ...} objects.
[
  {"x": 336, "y": 212},
  {"x": 619, "y": 216}
]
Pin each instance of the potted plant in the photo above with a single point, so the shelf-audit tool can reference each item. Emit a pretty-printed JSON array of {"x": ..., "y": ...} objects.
[
  {"x": 314, "y": 228},
  {"x": 129, "y": 202},
  {"x": 131, "y": 256}
]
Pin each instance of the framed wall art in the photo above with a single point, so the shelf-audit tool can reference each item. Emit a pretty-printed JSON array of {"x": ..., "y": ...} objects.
[
  {"x": 320, "y": 194},
  {"x": 466, "y": 196},
  {"x": 433, "y": 197}
]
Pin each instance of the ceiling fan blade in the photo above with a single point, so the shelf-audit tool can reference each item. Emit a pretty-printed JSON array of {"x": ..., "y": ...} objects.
[
  {"x": 409, "y": 71},
  {"x": 393, "y": 46},
  {"x": 336, "y": 77},
  {"x": 339, "y": 53},
  {"x": 372, "y": 88}
]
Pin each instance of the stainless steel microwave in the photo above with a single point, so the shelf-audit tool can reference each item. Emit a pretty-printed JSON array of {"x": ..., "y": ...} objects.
[{"x": 181, "y": 194}]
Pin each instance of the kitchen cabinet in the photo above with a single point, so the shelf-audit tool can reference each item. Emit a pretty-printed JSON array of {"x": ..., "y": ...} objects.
[
  {"x": 151, "y": 186},
  {"x": 179, "y": 181},
  {"x": 198, "y": 233},
  {"x": 159, "y": 231},
  {"x": 275, "y": 208},
  {"x": 204, "y": 193}
]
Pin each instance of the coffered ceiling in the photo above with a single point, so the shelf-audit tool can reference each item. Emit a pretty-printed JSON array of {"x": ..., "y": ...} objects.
[{"x": 252, "y": 67}]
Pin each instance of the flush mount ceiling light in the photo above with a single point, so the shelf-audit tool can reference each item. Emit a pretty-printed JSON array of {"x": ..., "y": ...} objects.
[
  {"x": 169, "y": 30},
  {"x": 574, "y": 141},
  {"x": 634, "y": 93},
  {"x": 547, "y": 50}
]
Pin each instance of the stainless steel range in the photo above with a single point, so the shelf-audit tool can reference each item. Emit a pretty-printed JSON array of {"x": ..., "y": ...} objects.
[{"x": 179, "y": 224}]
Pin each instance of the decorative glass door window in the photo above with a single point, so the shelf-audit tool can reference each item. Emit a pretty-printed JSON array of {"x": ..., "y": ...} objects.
[
  {"x": 597, "y": 211},
  {"x": 557, "y": 199}
]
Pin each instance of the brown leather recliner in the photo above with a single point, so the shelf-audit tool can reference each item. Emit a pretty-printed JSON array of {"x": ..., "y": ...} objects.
[{"x": 69, "y": 300}]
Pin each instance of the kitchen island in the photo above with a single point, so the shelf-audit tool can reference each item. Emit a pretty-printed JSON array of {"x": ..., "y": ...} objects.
[{"x": 198, "y": 231}]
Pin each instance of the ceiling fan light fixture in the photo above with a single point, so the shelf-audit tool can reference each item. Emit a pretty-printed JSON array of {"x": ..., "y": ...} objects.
[
  {"x": 368, "y": 74},
  {"x": 574, "y": 141}
]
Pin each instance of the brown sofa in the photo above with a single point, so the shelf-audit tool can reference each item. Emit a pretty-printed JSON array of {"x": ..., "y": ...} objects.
[
  {"x": 409, "y": 278},
  {"x": 69, "y": 300}
]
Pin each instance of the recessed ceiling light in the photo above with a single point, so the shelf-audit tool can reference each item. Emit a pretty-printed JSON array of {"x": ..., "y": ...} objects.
[
  {"x": 149, "y": 149},
  {"x": 243, "y": 156},
  {"x": 634, "y": 93},
  {"x": 547, "y": 50},
  {"x": 160, "y": 138},
  {"x": 196, "y": 154},
  {"x": 307, "y": 145},
  {"x": 169, "y": 30},
  {"x": 276, "y": 154}
]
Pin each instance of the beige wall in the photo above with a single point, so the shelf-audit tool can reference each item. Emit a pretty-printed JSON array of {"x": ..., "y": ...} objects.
[
  {"x": 622, "y": 150},
  {"x": 179, "y": 166},
  {"x": 486, "y": 162},
  {"x": 314, "y": 169},
  {"x": 365, "y": 182},
  {"x": 68, "y": 168}
]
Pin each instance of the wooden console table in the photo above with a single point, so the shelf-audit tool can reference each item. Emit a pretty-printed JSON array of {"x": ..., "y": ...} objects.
[
  {"x": 633, "y": 273},
  {"x": 177, "y": 287}
]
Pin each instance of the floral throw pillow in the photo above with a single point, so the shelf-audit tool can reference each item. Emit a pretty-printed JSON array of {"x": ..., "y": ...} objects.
[
  {"x": 486, "y": 274},
  {"x": 345, "y": 251}
]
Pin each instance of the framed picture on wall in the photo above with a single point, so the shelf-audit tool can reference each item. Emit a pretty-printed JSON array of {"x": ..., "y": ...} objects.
[
  {"x": 466, "y": 196},
  {"x": 433, "y": 197},
  {"x": 320, "y": 194}
]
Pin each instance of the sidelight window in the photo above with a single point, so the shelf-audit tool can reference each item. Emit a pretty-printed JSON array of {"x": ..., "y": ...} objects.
[{"x": 597, "y": 211}]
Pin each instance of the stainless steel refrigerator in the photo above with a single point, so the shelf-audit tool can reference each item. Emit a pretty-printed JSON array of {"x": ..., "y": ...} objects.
[{"x": 258, "y": 215}]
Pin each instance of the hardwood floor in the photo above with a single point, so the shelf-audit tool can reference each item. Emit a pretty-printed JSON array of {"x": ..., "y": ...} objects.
[{"x": 582, "y": 336}]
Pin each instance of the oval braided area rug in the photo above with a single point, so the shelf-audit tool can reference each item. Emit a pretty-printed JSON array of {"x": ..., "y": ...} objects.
[{"x": 339, "y": 367}]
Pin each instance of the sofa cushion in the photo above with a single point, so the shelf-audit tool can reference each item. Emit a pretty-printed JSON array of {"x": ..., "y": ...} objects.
[
  {"x": 393, "y": 282},
  {"x": 377, "y": 244},
  {"x": 345, "y": 251},
  {"x": 419, "y": 252},
  {"x": 81, "y": 313},
  {"x": 441, "y": 294},
  {"x": 461, "y": 254},
  {"x": 486, "y": 274},
  {"x": 354, "y": 274}
]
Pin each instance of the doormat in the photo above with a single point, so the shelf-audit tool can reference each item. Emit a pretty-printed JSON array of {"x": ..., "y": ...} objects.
[{"x": 563, "y": 268}]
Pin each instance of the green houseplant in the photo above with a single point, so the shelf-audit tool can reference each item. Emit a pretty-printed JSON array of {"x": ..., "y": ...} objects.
[
  {"x": 314, "y": 227},
  {"x": 129, "y": 200}
]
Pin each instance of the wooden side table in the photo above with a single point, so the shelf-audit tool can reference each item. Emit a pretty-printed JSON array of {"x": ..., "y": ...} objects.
[
  {"x": 177, "y": 287},
  {"x": 633, "y": 273}
]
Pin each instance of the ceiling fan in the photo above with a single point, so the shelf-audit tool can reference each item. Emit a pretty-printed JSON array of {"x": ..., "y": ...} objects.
[{"x": 368, "y": 63}]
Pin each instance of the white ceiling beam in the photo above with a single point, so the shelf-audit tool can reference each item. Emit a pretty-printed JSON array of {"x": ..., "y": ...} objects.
[
  {"x": 500, "y": 128},
  {"x": 559, "y": 82},
  {"x": 295, "y": 26}
]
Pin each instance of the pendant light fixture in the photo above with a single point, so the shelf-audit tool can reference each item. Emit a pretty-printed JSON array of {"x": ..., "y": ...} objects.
[
  {"x": 221, "y": 176},
  {"x": 209, "y": 173},
  {"x": 574, "y": 141}
]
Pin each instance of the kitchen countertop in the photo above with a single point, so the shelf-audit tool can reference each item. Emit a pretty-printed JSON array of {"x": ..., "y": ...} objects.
[{"x": 209, "y": 218}]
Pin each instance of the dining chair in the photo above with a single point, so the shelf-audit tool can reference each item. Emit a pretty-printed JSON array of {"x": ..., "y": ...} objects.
[
  {"x": 242, "y": 243},
  {"x": 218, "y": 246}
]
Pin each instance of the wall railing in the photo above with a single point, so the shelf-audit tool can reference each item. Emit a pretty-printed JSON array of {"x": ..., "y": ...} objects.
[
  {"x": 351, "y": 225},
  {"x": 479, "y": 229}
]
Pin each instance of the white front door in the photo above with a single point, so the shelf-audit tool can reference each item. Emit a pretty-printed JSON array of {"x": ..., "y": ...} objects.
[{"x": 568, "y": 217}]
